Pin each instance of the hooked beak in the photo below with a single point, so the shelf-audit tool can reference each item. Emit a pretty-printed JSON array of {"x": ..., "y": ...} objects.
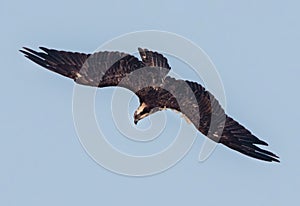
[
  {"x": 141, "y": 113},
  {"x": 136, "y": 118}
]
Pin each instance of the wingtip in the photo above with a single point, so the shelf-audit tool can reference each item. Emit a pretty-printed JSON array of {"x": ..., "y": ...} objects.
[
  {"x": 29, "y": 51},
  {"x": 23, "y": 50},
  {"x": 275, "y": 159},
  {"x": 44, "y": 49},
  {"x": 272, "y": 159},
  {"x": 276, "y": 156},
  {"x": 261, "y": 142}
]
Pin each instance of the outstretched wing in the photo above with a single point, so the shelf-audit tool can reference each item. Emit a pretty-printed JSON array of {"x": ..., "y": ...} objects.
[
  {"x": 205, "y": 112},
  {"x": 99, "y": 69},
  {"x": 237, "y": 137},
  {"x": 64, "y": 63}
]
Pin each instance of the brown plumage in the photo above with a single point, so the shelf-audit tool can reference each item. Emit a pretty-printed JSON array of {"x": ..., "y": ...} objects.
[{"x": 156, "y": 91}]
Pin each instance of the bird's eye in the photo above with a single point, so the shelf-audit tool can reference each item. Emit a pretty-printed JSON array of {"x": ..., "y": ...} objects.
[{"x": 146, "y": 110}]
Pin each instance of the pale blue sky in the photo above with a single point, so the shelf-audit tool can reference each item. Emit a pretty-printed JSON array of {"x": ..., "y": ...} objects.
[{"x": 255, "y": 47}]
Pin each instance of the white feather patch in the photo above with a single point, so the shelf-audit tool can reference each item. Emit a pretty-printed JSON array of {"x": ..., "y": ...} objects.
[{"x": 141, "y": 108}]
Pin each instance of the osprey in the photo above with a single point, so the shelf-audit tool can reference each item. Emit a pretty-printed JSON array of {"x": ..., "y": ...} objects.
[{"x": 156, "y": 91}]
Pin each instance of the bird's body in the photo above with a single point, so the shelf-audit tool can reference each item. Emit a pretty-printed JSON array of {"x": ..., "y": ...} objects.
[{"x": 156, "y": 91}]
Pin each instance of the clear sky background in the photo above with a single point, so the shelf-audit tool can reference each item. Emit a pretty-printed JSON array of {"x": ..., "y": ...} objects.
[{"x": 255, "y": 47}]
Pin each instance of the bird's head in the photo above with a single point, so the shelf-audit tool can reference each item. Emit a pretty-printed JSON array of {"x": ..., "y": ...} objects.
[{"x": 143, "y": 111}]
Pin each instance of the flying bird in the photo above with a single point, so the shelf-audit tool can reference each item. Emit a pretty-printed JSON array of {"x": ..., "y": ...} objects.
[{"x": 156, "y": 91}]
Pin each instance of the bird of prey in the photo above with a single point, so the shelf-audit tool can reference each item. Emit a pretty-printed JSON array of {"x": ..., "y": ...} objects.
[{"x": 156, "y": 91}]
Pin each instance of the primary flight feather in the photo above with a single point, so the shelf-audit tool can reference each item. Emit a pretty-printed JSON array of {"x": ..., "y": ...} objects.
[{"x": 156, "y": 91}]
